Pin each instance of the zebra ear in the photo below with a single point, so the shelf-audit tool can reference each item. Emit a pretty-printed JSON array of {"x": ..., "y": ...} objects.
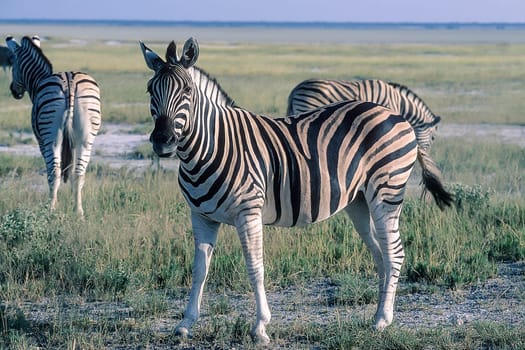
[
  {"x": 12, "y": 44},
  {"x": 36, "y": 40},
  {"x": 171, "y": 53},
  {"x": 153, "y": 60},
  {"x": 190, "y": 53}
]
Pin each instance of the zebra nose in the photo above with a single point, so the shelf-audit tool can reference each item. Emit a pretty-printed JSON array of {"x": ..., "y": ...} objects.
[
  {"x": 159, "y": 137},
  {"x": 163, "y": 131},
  {"x": 16, "y": 94}
]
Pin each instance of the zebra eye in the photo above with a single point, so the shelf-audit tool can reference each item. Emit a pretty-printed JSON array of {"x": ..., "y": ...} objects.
[{"x": 186, "y": 90}]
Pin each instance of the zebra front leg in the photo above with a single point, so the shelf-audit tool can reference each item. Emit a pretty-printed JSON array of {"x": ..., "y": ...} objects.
[
  {"x": 205, "y": 236},
  {"x": 249, "y": 227},
  {"x": 386, "y": 221}
]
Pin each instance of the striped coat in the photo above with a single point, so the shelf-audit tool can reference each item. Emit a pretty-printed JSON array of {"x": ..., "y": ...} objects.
[
  {"x": 66, "y": 114},
  {"x": 314, "y": 93},
  {"x": 246, "y": 170}
]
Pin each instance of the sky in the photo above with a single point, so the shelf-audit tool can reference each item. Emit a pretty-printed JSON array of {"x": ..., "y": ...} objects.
[{"x": 481, "y": 11}]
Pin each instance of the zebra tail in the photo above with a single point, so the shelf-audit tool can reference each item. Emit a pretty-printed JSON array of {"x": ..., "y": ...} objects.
[
  {"x": 67, "y": 156},
  {"x": 432, "y": 180},
  {"x": 67, "y": 143}
]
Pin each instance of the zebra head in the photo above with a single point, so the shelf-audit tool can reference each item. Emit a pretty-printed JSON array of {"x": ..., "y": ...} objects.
[
  {"x": 29, "y": 64},
  {"x": 172, "y": 92}
]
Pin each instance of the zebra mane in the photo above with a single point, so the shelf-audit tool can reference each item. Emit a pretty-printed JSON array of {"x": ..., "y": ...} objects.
[
  {"x": 414, "y": 97},
  {"x": 36, "y": 52},
  {"x": 213, "y": 81}
]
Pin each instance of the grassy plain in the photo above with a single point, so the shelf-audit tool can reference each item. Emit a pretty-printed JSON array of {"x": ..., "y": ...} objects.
[{"x": 136, "y": 245}]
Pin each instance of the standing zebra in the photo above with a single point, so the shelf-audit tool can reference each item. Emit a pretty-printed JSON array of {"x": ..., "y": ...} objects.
[
  {"x": 314, "y": 93},
  {"x": 65, "y": 116},
  {"x": 247, "y": 170}
]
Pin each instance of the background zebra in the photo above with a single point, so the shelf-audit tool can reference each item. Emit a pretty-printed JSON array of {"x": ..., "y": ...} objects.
[
  {"x": 247, "y": 170},
  {"x": 314, "y": 93},
  {"x": 66, "y": 114},
  {"x": 6, "y": 57}
]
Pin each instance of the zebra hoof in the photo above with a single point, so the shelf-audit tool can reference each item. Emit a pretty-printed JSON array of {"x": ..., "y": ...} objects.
[
  {"x": 260, "y": 337},
  {"x": 381, "y": 323},
  {"x": 183, "y": 332}
]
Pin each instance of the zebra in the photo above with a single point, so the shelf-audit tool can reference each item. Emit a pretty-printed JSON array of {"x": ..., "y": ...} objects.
[
  {"x": 6, "y": 57},
  {"x": 66, "y": 114},
  {"x": 247, "y": 170},
  {"x": 313, "y": 93}
]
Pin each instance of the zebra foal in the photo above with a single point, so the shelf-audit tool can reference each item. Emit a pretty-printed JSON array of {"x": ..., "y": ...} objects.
[
  {"x": 248, "y": 170},
  {"x": 65, "y": 117}
]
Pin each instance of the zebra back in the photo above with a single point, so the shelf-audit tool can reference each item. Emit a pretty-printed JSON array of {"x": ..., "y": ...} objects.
[{"x": 314, "y": 93}]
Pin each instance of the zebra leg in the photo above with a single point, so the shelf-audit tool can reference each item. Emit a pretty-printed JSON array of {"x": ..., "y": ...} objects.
[
  {"x": 360, "y": 215},
  {"x": 249, "y": 228},
  {"x": 386, "y": 222},
  {"x": 78, "y": 184},
  {"x": 79, "y": 178},
  {"x": 54, "y": 174},
  {"x": 205, "y": 236}
]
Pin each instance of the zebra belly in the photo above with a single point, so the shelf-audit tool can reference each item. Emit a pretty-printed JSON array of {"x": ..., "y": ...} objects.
[{"x": 305, "y": 206}]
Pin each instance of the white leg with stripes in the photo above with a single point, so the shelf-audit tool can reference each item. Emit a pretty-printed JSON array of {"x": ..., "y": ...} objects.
[
  {"x": 78, "y": 184},
  {"x": 386, "y": 222},
  {"x": 250, "y": 229},
  {"x": 54, "y": 174},
  {"x": 360, "y": 215},
  {"x": 205, "y": 235}
]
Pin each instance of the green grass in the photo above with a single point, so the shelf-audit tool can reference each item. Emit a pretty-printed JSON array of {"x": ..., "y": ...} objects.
[
  {"x": 136, "y": 247},
  {"x": 462, "y": 83}
]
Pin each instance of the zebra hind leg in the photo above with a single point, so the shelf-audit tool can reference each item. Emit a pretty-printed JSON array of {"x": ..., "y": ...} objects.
[
  {"x": 250, "y": 230},
  {"x": 359, "y": 213},
  {"x": 53, "y": 179},
  {"x": 78, "y": 184},
  {"x": 386, "y": 221}
]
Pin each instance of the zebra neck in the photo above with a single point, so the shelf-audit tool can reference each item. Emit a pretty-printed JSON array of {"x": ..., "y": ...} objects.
[
  {"x": 416, "y": 111},
  {"x": 203, "y": 127},
  {"x": 33, "y": 74},
  {"x": 210, "y": 87},
  {"x": 206, "y": 127}
]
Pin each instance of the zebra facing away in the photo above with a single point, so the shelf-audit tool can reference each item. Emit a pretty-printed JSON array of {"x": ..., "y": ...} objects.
[
  {"x": 65, "y": 117},
  {"x": 248, "y": 170},
  {"x": 313, "y": 93}
]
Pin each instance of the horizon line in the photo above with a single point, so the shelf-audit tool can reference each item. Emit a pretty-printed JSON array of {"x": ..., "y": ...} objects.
[{"x": 259, "y": 22}]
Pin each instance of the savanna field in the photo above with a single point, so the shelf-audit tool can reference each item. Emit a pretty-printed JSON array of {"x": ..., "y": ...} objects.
[{"x": 120, "y": 278}]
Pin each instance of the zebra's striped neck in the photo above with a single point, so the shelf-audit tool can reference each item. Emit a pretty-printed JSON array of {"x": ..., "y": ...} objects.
[
  {"x": 209, "y": 115},
  {"x": 413, "y": 103},
  {"x": 210, "y": 87},
  {"x": 208, "y": 111},
  {"x": 33, "y": 66}
]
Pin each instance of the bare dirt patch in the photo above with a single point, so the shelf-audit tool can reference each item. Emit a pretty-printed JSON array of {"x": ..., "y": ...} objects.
[{"x": 500, "y": 299}]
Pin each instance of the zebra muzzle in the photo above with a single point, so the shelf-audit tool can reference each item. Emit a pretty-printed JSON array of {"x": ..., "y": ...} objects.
[
  {"x": 163, "y": 145},
  {"x": 18, "y": 94},
  {"x": 162, "y": 138}
]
